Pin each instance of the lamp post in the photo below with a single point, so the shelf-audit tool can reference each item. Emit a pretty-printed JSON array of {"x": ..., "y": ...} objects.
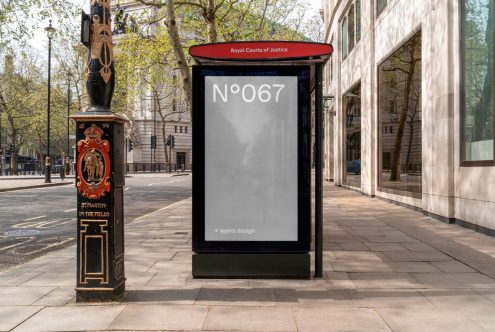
[
  {"x": 68, "y": 115},
  {"x": 48, "y": 170},
  {"x": 2, "y": 153}
]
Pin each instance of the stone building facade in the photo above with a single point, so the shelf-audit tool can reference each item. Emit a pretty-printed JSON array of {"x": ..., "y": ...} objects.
[
  {"x": 146, "y": 104},
  {"x": 409, "y": 93}
]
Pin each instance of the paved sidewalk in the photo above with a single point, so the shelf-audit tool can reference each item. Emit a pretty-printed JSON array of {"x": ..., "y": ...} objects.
[
  {"x": 9, "y": 183},
  {"x": 387, "y": 268}
]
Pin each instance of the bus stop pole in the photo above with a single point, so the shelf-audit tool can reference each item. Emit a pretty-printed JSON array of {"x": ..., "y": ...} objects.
[{"x": 318, "y": 171}]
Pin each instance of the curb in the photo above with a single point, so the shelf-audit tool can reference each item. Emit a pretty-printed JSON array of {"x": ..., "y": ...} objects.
[
  {"x": 36, "y": 186},
  {"x": 181, "y": 174},
  {"x": 27, "y": 177}
]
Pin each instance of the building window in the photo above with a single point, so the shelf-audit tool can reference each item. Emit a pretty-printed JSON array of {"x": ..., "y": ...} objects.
[
  {"x": 399, "y": 112},
  {"x": 330, "y": 65},
  {"x": 478, "y": 73},
  {"x": 380, "y": 6},
  {"x": 345, "y": 49},
  {"x": 358, "y": 20},
  {"x": 351, "y": 28},
  {"x": 175, "y": 128},
  {"x": 352, "y": 132},
  {"x": 181, "y": 129},
  {"x": 185, "y": 128}
]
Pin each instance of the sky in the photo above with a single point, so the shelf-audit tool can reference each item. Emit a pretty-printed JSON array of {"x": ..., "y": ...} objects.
[{"x": 40, "y": 42}]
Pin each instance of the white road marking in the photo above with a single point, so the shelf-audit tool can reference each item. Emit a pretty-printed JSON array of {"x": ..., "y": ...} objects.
[
  {"x": 127, "y": 188},
  {"x": 34, "y": 218},
  {"x": 15, "y": 245},
  {"x": 44, "y": 224},
  {"x": 70, "y": 210},
  {"x": 50, "y": 246}
]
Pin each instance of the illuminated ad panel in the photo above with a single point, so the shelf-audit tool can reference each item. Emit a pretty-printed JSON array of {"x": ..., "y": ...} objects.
[
  {"x": 251, "y": 158},
  {"x": 251, "y": 167}
]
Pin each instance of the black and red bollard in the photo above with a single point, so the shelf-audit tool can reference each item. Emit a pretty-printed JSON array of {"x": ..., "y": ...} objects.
[{"x": 99, "y": 169}]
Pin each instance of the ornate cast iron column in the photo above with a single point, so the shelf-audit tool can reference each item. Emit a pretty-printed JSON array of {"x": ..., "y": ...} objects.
[{"x": 99, "y": 169}]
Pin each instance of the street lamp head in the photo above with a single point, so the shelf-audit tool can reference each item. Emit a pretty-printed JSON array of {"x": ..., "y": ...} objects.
[{"x": 50, "y": 31}]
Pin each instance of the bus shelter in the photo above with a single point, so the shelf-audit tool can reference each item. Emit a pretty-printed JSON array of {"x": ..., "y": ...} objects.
[{"x": 252, "y": 143}]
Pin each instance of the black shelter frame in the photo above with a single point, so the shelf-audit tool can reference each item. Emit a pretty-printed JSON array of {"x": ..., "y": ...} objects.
[{"x": 316, "y": 64}]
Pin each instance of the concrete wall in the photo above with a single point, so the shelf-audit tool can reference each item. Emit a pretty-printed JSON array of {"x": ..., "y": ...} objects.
[{"x": 448, "y": 190}]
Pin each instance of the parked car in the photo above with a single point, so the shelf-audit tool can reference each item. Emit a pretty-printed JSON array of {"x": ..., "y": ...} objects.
[{"x": 354, "y": 166}]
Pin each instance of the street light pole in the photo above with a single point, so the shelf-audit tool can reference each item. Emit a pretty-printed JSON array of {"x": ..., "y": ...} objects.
[
  {"x": 48, "y": 169},
  {"x": 68, "y": 115},
  {"x": 2, "y": 153}
]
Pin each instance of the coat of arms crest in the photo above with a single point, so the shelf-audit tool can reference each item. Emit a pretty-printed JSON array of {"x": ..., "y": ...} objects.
[{"x": 93, "y": 164}]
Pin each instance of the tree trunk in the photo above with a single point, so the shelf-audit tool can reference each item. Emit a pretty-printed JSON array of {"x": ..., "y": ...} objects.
[
  {"x": 176, "y": 42},
  {"x": 13, "y": 140},
  {"x": 411, "y": 135},
  {"x": 210, "y": 18},
  {"x": 396, "y": 161},
  {"x": 165, "y": 143}
]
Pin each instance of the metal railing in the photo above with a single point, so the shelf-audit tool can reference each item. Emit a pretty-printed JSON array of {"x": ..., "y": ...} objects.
[{"x": 155, "y": 168}]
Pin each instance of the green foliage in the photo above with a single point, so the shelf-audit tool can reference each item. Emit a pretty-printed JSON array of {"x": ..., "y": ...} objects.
[
  {"x": 23, "y": 101},
  {"x": 15, "y": 15},
  {"x": 23, "y": 91}
]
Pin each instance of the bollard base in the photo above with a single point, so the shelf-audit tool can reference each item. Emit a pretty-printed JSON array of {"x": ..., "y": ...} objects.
[{"x": 100, "y": 294}]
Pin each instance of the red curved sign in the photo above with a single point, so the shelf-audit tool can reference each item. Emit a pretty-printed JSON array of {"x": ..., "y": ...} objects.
[{"x": 261, "y": 50}]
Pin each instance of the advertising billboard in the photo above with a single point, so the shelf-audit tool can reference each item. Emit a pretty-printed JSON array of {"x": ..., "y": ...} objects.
[{"x": 251, "y": 168}]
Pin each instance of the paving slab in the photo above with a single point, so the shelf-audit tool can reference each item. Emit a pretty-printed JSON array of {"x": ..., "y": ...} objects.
[
  {"x": 235, "y": 296},
  {"x": 176, "y": 294},
  {"x": 416, "y": 256},
  {"x": 52, "y": 279},
  {"x": 20, "y": 278},
  {"x": 452, "y": 266},
  {"x": 470, "y": 303},
  {"x": 360, "y": 266},
  {"x": 454, "y": 280},
  {"x": 427, "y": 319},
  {"x": 58, "y": 297},
  {"x": 11, "y": 316},
  {"x": 384, "y": 280},
  {"x": 340, "y": 280},
  {"x": 388, "y": 298},
  {"x": 256, "y": 319},
  {"x": 418, "y": 267},
  {"x": 72, "y": 318},
  {"x": 338, "y": 319},
  {"x": 379, "y": 246},
  {"x": 22, "y": 295},
  {"x": 160, "y": 317}
]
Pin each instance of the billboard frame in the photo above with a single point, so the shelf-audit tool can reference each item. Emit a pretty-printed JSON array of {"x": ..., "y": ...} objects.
[{"x": 302, "y": 245}]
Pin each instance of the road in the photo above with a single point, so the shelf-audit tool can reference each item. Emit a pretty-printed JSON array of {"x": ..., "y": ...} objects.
[{"x": 36, "y": 221}]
